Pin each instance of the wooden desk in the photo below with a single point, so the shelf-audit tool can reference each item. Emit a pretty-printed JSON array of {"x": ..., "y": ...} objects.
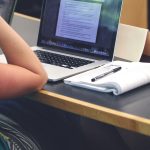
[{"x": 129, "y": 111}]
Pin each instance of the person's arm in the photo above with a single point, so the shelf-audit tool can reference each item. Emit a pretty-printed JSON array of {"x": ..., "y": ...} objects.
[
  {"x": 23, "y": 73},
  {"x": 147, "y": 45}
]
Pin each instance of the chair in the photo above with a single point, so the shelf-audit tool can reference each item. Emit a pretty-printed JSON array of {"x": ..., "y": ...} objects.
[
  {"x": 13, "y": 137},
  {"x": 7, "y": 9}
]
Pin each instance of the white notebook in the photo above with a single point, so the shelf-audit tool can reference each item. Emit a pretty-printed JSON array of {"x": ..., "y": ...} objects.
[{"x": 130, "y": 76}]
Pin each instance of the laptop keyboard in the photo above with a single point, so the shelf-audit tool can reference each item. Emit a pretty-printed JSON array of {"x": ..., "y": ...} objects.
[{"x": 61, "y": 60}]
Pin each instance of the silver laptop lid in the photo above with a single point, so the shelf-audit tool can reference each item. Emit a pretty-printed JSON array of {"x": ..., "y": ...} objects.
[{"x": 83, "y": 26}]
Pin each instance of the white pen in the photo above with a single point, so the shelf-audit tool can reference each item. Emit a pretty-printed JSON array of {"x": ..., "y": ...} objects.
[{"x": 106, "y": 73}]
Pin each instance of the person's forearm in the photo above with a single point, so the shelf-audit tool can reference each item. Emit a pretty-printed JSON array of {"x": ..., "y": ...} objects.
[{"x": 17, "y": 52}]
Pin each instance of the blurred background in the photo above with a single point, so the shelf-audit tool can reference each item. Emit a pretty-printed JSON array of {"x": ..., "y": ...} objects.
[
  {"x": 134, "y": 12},
  {"x": 31, "y": 8}
]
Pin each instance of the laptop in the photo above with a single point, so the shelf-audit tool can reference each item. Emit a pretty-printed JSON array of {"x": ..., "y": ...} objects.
[
  {"x": 76, "y": 35},
  {"x": 7, "y": 8}
]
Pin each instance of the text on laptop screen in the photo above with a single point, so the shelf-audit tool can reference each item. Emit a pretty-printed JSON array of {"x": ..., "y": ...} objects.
[{"x": 88, "y": 26}]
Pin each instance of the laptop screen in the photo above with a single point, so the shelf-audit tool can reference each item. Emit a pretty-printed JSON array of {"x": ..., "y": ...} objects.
[{"x": 85, "y": 26}]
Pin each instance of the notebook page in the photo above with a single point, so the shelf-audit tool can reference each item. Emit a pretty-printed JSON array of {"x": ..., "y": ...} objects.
[{"x": 131, "y": 75}]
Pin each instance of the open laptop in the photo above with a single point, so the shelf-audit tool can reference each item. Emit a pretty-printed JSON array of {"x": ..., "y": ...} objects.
[{"x": 82, "y": 31}]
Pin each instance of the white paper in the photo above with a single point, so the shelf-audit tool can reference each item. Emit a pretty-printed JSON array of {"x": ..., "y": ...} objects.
[
  {"x": 131, "y": 76},
  {"x": 78, "y": 20}
]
